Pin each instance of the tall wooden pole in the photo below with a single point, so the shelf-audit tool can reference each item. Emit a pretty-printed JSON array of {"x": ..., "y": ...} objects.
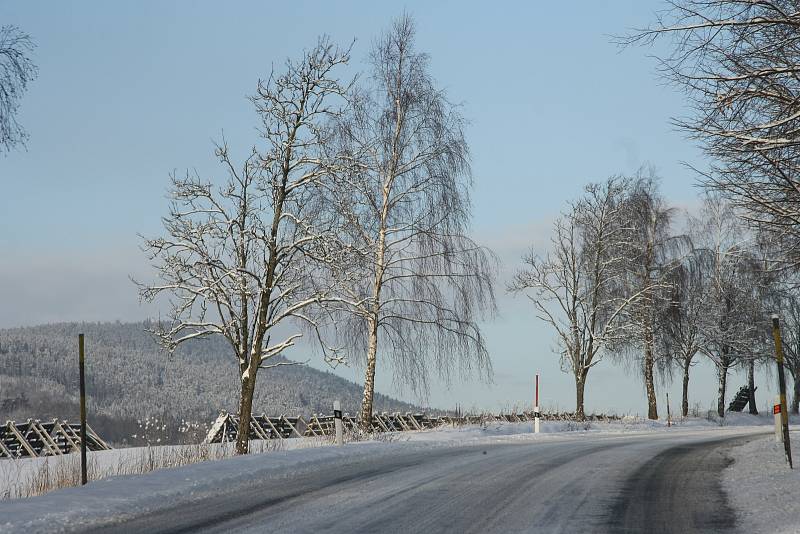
[
  {"x": 83, "y": 410},
  {"x": 776, "y": 333}
]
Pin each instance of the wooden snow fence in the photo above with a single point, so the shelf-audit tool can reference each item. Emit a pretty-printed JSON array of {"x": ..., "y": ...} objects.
[
  {"x": 741, "y": 399},
  {"x": 283, "y": 427},
  {"x": 261, "y": 427},
  {"x": 34, "y": 438}
]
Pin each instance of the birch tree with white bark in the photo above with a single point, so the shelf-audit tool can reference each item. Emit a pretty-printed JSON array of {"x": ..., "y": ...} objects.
[
  {"x": 242, "y": 257},
  {"x": 729, "y": 323},
  {"x": 681, "y": 320},
  {"x": 652, "y": 252},
  {"x": 768, "y": 268},
  {"x": 424, "y": 283},
  {"x": 576, "y": 287}
]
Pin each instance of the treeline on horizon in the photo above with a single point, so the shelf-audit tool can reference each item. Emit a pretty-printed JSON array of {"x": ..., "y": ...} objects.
[{"x": 622, "y": 280}]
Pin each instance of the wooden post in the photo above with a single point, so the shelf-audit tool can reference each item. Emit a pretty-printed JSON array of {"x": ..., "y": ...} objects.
[
  {"x": 83, "y": 410},
  {"x": 776, "y": 333},
  {"x": 669, "y": 416}
]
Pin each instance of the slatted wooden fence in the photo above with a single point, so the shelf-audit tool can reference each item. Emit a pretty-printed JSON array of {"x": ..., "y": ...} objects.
[
  {"x": 35, "y": 438},
  {"x": 264, "y": 427}
]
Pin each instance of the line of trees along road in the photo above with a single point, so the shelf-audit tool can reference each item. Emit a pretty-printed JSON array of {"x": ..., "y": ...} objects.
[
  {"x": 620, "y": 281},
  {"x": 630, "y": 286},
  {"x": 738, "y": 63},
  {"x": 347, "y": 224}
]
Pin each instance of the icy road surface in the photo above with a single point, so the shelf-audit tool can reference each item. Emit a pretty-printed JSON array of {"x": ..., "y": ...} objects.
[{"x": 648, "y": 482}]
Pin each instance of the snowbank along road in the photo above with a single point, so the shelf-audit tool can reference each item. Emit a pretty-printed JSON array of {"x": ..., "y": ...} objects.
[{"x": 663, "y": 482}]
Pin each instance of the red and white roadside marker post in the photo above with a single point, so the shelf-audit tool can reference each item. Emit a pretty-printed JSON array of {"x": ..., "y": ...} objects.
[
  {"x": 776, "y": 409},
  {"x": 536, "y": 408}
]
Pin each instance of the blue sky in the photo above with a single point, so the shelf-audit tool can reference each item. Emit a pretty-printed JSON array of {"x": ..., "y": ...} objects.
[{"x": 128, "y": 92}]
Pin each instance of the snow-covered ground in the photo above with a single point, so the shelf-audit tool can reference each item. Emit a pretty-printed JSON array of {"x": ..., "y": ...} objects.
[
  {"x": 762, "y": 489},
  {"x": 26, "y": 477},
  {"x": 560, "y": 429},
  {"x": 112, "y": 496},
  {"x": 33, "y": 476}
]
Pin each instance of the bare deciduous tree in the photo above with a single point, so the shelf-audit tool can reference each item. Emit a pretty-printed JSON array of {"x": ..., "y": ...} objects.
[
  {"x": 424, "y": 283},
  {"x": 576, "y": 287},
  {"x": 243, "y": 258},
  {"x": 681, "y": 319},
  {"x": 16, "y": 72},
  {"x": 728, "y": 323},
  {"x": 739, "y": 62},
  {"x": 427, "y": 282},
  {"x": 652, "y": 252}
]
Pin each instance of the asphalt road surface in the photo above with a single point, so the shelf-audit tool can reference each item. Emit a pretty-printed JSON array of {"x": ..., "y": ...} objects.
[{"x": 657, "y": 482}]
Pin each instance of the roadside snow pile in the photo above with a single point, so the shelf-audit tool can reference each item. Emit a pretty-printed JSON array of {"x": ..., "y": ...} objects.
[{"x": 762, "y": 489}]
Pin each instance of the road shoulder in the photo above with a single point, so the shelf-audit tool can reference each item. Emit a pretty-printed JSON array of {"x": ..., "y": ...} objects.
[{"x": 760, "y": 487}]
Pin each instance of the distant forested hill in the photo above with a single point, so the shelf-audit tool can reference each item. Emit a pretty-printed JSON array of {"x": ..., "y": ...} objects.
[{"x": 130, "y": 379}]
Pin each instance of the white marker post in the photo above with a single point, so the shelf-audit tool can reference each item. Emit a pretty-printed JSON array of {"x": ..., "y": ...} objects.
[
  {"x": 536, "y": 409},
  {"x": 776, "y": 409},
  {"x": 337, "y": 422}
]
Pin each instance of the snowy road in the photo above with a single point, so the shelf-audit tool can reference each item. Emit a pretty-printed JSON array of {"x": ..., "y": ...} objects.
[{"x": 663, "y": 482}]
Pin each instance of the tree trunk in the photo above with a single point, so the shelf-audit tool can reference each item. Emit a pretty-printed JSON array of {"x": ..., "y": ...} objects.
[
  {"x": 796, "y": 397},
  {"x": 723, "y": 380},
  {"x": 751, "y": 386},
  {"x": 685, "y": 400},
  {"x": 245, "y": 411},
  {"x": 580, "y": 384},
  {"x": 369, "y": 379},
  {"x": 649, "y": 384}
]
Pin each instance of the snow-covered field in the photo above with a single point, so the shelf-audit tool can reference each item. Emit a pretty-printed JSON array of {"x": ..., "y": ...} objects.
[{"x": 762, "y": 489}]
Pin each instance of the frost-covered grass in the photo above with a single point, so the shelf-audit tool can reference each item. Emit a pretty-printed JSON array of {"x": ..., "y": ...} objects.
[
  {"x": 28, "y": 477},
  {"x": 762, "y": 489}
]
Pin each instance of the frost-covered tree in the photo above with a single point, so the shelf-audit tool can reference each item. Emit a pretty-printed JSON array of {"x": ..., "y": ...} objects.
[
  {"x": 17, "y": 70},
  {"x": 423, "y": 282},
  {"x": 729, "y": 323},
  {"x": 738, "y": 62},
  {"x": 576, "y": 287},
  {"x": 652, "y": 251},
  {"x": 681, "y": 319},
  {"x": 243, "y": 257},
  {"x": 768, "y": 269}
]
